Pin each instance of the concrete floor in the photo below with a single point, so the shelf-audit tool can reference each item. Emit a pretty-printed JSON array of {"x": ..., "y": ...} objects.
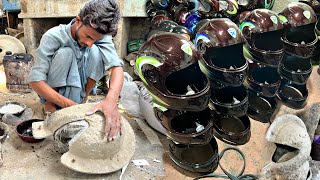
[{"x": 35, "y": 161}]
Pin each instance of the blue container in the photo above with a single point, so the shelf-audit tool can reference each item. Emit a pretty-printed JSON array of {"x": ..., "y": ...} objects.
[{"x": 11, "y": 5}]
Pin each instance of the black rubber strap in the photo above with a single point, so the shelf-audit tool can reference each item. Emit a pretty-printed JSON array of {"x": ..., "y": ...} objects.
[{"x": 226, "y": 174}]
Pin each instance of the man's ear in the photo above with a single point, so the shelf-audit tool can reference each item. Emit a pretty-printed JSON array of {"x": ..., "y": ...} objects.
[{"x": 78, "y": 19}]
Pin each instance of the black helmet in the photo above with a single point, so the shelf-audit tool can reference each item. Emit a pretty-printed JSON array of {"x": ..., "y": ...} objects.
[
  {"x": 183, "y": 31},
  {"x": 187, "y": 156},
  {"x": 262, "y": 30},
  {"x": 231, "y": 129},
  {"x": 220, "y": 42},
  {"x": 167, "y": 25},
  {"x": 168, "y": 66},
  {"x": 186, "y": 127},
  {"x": 299, "y": 38},
  {"x": 264, "y": 80}
]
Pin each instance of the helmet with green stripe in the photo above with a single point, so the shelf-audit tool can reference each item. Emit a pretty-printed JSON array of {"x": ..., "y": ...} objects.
[
  {"x": 299, "y": 38},
  {"x": 168, "y": 66},
  {"x": 262, "y": 31}
]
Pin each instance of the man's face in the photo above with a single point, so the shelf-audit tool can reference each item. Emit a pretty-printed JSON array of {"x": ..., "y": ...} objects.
[{"x": 86, "y": 35}]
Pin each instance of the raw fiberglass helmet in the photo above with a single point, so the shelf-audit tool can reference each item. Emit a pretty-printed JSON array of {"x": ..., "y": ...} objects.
[
  {"x": 299, "y": 38},
  {"x": 220, "y": 42},
  {"x": 168, "y": 67},
  {"x": 262, "y": 30},
  {"x": 293, "y": 146}
]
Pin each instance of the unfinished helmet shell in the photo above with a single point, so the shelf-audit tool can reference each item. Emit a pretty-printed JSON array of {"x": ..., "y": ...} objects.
[
  {"x": 291, "y": 158},
  {"x": 88, "y": 149}
]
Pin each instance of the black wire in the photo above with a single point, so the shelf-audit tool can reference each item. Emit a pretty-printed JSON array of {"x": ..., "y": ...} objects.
[{"x": 227, "y": 175}]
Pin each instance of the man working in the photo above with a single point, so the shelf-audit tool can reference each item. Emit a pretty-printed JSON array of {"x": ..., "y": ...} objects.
[{"x": 72, "y": 58}]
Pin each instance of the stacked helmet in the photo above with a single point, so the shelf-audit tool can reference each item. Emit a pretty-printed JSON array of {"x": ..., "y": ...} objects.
[
  {"x": 262, "y": 31},
  {"x": 247, "y": 5},
  {"x": 299, "y": 38},
  {"x": 220, "y": 42},
  {"x": 314, "y": 4},
  {"x": 168, "y": 66},
  {"x": 267, "y": 4},
  {"x": 216, "y": 8}
]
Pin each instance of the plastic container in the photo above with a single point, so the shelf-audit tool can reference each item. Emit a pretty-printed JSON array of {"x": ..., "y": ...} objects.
[{"x": 17, "y": 68}]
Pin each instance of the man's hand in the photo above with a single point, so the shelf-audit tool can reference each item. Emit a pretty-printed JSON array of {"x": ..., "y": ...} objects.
[
  {"x": 112, "y": 116},
  {"x": 109, "y": 106}
]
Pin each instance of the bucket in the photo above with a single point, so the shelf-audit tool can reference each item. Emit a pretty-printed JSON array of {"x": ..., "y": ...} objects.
[{"x": 17, "y": 68}]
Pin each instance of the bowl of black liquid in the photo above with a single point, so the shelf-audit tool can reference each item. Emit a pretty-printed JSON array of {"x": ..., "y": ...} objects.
[{"x": 24, "y": 131}]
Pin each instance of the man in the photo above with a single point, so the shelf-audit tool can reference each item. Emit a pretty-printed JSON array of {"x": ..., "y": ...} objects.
[{"x": 72, "y": 58}]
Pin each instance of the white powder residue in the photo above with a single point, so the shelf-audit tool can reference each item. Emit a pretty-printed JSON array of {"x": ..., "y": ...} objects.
[{"x": 11, "y": 109}]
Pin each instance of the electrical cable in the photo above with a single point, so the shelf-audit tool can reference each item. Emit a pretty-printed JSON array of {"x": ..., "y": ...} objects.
[{"x": 226, "y": 174}]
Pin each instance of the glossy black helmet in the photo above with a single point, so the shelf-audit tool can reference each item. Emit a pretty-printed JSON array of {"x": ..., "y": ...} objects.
[
  {"x": 168, "y": 66},
  {"x": 202, "y": 158},
  {"x": 262, "y": 31},
  {"x": 220, "y": 41},
  {"x": 186, "y": 127},
  {"x": 299, "y": 38}
]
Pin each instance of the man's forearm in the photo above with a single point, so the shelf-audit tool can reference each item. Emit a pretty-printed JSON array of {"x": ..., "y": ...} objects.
[
  {"x": 48, "y": 93},
  {"x": 115, "y": 83}
]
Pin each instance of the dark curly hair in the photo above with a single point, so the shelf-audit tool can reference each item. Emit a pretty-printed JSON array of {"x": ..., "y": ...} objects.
[{"x": 102, "y": 15}]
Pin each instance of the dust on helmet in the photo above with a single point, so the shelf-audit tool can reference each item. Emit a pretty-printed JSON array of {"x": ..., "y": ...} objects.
[
  {"x": 220, "y": 42},
  {"x": 262, "y": 31},
  {"x": 299, "y": 38},
  {"x": 168, "y": 66},
  {"x": 289, "y": 133},
  {"x": 267, "y": 4},
  {"x": 87, "y": 149}
]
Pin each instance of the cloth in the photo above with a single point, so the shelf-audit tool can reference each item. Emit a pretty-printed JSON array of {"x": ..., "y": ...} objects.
[{"x": 61, "y": 62}]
